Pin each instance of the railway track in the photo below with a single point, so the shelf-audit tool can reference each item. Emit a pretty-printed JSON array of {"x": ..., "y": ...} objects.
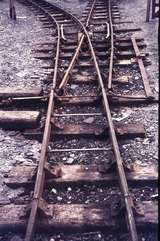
[{"x": 84, "y": 56}]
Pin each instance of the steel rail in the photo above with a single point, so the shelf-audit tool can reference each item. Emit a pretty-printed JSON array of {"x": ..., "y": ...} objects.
[
  {"x": 90, "y": 13},
  {"x": 122, "y": 177},
  {"x": 120, "y": 168},
  {"x": 39, "y": 183},
  {"x": 81, "y": 149},
  {"x": 79, "y": 114},
  {"x": 145, "y": 80},
  {"x": 75, "y": 56},
  {"x": 112, "y": 47},
  {"x": 71, "y": 65}
]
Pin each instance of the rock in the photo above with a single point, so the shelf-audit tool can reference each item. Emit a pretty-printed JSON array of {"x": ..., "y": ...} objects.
[
  {"x": 21, "y": 73},
  {"x": 124, "y": 115},
  {"x": 70, "y": 160},
  {"x": 156, "y": 157},
  {"x": 59, "y": 198},
  {"x": 54, "y": 190},
  {"x": 29, "y": 154},
  {"x": 146, "y": 141},
  {"x": 143, "y": 164},
  {"x": 72, "y": 155},
  {"x": 73, "y": 87},
  {"x": 154, "y": 196},
  {"x": 99, "y": 235},
  {"x": 89, "y": 120},
  {"x": 156, "y": 88}
]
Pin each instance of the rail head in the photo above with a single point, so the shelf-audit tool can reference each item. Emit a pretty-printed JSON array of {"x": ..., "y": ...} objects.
[{"x": 43, "y": 155}]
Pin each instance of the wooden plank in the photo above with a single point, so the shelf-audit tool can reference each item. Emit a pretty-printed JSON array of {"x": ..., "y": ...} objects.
[
  {"x": 123, "y": 62},
  {"x": 128, "y": 45},
  {"x": 132, "y": 100},
  {"x": 122, "y": 30},
  {"x": 75, "y": 217},
  {"x": 19, "y": 92},
  {"x": 83, "y": 55},
  {"x": 94, "y": 129},
  {"x": 44, "y": 49},
  {"x": 100, "y": 17},
  {"x": 129, "y": 54},
  {"x": 91, "y": 130},
  {"x": 88, "y": 79},
  {"x": 19, "y": 119},
  {"x": 79, "y": 100},
  {"x": 46, "y": 56},
  {"x": 121, "y": 22},
  {"x": 113, "y": 100},
  {"x": 127, "y": 39},
  {"x": 80, "y": 174},
  {"x": 85, "y": 64},
  {"x": 82, "y": 79}
]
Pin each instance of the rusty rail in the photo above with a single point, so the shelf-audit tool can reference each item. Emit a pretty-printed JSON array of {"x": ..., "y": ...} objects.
[
  {"x": 147, "y": 88},
  {"x": 75, "y": 56},
  {"x": 43, "y": 156},
  {"x": 120, "y": 169},
  {"x": 112, "y": 47}
]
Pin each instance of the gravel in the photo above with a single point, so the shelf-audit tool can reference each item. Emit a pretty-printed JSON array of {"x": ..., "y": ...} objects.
[
  {"x": 75, "y": 7},
  {"x": 17, "y": 64},
  {"x": 18, "y": 68}
]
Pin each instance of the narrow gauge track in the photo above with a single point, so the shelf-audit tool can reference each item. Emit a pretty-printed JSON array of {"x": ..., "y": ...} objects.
[
  {"x": 82, "y": 40},
  {"x": 39, "y": 184}
]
